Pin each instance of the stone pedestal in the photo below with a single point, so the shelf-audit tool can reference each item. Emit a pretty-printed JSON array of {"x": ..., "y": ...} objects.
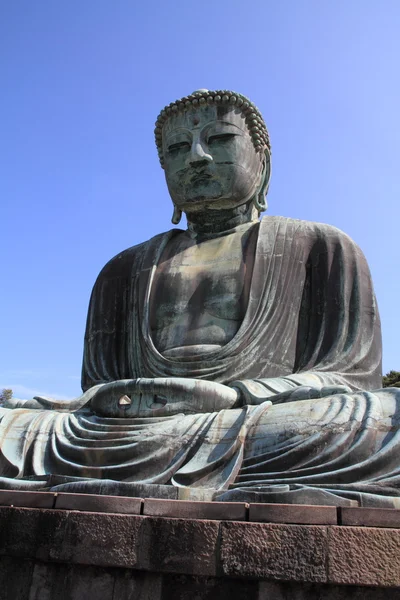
[{"x": 54, "y": 546}]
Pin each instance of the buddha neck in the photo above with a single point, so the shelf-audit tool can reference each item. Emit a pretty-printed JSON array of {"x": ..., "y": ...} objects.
[{"x": 216, "y": 222}]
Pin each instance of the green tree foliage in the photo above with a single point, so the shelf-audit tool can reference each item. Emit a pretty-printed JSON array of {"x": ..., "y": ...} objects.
[
  {"x": 5, "y": 395},
  {"x": 391, "y": 379}
]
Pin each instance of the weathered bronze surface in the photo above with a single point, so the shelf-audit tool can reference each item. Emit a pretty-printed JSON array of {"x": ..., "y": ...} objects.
[{"x": 233, "y": 360}]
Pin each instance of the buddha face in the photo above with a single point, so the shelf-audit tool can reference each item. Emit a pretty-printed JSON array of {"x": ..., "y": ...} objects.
[{"x": 209, "y": 159}]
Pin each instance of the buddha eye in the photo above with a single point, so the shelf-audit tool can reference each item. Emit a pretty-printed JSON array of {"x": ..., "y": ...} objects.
[
  {"x": 221, "y": 137},
  {"x": 178, "y": 146}
]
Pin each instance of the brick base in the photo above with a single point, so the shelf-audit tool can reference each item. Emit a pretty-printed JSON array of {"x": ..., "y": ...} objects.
[
  {"x": 72, "y": 554},
  {"x": 28, "y": 579}
]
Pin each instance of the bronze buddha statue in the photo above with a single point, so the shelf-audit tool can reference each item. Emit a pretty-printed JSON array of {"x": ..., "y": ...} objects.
[{"x": 237, "y": 359}]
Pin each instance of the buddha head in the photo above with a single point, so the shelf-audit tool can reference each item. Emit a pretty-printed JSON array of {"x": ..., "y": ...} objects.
[{"x": 215, "y": 151}]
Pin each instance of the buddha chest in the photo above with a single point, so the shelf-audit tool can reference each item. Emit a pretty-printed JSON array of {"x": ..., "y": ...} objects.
[{"x": 200, "y": 292}]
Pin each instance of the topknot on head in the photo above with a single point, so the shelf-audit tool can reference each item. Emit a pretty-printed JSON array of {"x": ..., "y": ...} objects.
[{"x": 253, "y": 118}]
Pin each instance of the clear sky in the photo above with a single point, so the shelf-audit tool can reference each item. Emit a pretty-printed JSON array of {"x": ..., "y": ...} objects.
[{"x": 82, "y": 83}]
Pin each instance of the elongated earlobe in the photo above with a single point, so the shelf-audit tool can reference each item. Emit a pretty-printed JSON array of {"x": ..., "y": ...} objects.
[
  {"x": 176, "y": 215},
  {"x": 259, "y": 200}
]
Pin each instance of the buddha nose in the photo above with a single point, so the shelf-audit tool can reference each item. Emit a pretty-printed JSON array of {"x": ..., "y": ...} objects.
[{"x": 198, "y": 155}]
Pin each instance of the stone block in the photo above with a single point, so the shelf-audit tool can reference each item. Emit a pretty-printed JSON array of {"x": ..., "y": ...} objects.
[
  {"x": 364, "y": 556},
  {"x": 270, "y": 590},
  {"x": 47, "y": 581},
  {"x": 178, "y": 546},
  {"x": 15, "y": 578},
  {"x": 30, "y": 532},
  {"x": 94, "y": 503},
  {"x": 186, "y": 587},
  {"x": 84, "y": 583},
  {"x": 99, "y": 539},
  {"x": 137, "y": 585},
  {"x": 371, "y": 517},
  {"x": 293, "y": 513},
  {"x": 27, "y": 499},
  {"x": 229, "y": 511},
  {"x": 71, "y": 582},
  {"x": 269, "y": 551}
]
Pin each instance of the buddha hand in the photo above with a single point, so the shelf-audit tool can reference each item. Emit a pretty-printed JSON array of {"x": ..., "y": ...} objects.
[
  {"x": 283, "y": 389},
  {"x": 162, "y": 396},
  {"x": 304, "y": 392}
]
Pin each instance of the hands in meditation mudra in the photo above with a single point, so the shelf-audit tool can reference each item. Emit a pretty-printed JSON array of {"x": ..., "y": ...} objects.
[{"x": 233, "y": 360}]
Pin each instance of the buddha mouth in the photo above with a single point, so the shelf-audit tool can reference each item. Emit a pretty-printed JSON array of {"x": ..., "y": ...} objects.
[{"x": 200, "y": 177}]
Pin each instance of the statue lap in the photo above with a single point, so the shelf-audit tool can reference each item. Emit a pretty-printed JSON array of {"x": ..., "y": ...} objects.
[{"x": 330, "y": 450}]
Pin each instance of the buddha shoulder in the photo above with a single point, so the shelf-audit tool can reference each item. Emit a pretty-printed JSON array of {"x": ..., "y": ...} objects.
[
  {"x": 122, "y": 264},
  {"x": 309, "y": 231}
]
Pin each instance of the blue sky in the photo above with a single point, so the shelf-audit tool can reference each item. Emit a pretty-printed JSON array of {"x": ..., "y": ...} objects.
[{"x": 81, "y": 86}]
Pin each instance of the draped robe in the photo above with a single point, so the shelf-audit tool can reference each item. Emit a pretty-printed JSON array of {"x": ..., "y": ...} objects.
[
  {"x": 311, "y": 309},
  {"x": 311, "y": 320}
]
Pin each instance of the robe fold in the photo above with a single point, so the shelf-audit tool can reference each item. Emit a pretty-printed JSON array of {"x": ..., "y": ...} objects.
[{"x": 311, "y": 320}]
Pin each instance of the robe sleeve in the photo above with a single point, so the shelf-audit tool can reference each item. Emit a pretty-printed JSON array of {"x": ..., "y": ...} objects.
[
  {"x": 338, "y": 336},
  {"x": 108, "y": 336}
]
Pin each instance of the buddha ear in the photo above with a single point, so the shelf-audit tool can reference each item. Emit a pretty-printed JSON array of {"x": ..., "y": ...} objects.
[
  {"x": 176, "y": 215},
  {"x": 259, "y": 199}
]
